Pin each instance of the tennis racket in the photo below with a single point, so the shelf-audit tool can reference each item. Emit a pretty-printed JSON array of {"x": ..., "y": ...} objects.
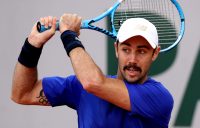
[{"x": 166, "y": 15}]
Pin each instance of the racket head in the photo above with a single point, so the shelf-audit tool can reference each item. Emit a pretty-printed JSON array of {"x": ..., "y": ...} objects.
[{"x": 166, "y": 15}]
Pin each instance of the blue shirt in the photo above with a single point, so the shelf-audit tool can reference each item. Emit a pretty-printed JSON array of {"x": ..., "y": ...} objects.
[{"x": 151, "y": 104}]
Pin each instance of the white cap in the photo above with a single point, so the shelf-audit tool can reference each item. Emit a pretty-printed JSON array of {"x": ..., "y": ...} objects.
[{"x": 138, "y": 27}]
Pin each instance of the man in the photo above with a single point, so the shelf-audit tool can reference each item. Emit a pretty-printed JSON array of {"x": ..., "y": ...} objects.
[{"x": 130, "y": 99}]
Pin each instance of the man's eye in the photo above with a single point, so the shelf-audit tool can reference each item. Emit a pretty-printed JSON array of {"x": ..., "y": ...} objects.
[
  {"x": 125, "y": 50},
  {"x": 141, "y": 51}
]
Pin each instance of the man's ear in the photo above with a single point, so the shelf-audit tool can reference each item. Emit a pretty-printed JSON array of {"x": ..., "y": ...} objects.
[
  {"x": 156, "y": 53},
  {"x": 116, "y": 49}
]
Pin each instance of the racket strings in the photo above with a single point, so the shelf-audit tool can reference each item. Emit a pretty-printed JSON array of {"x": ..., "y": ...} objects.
[{"x": 161, "y": 13}]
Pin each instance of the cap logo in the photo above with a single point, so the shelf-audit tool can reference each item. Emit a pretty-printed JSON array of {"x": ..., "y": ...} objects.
[{"x": 141, "y": 27}]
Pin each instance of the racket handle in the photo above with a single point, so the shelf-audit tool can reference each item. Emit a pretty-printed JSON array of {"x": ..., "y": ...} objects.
[{"x": 41, "y": 28}]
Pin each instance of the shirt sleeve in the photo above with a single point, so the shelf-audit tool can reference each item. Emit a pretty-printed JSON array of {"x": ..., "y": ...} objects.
[
  {"x": 151, "y": 100},
  {"x": 62, "y": 91}
]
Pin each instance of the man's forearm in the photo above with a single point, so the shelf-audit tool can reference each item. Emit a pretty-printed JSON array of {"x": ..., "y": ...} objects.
[{"x": 85, "y": 68}]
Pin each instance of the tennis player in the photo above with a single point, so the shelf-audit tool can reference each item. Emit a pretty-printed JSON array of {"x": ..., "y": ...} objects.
[{"x": 129, "y": 99}]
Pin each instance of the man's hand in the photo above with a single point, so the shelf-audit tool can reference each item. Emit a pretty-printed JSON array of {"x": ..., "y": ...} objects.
[
  {"x": 70, "y": 22},
  {"x": 39, "y": 39}
]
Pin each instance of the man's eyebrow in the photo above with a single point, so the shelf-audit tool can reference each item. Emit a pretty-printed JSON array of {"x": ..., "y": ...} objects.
[
  {"x": 143, "y": 46},
  {"x": 125, "y": 43}
]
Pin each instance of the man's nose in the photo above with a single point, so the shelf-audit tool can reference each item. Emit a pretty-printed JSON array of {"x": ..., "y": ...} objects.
[{"x": 133, "y": 58}]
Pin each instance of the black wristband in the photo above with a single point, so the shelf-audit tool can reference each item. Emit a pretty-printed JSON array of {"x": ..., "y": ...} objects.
[
  {"x": 29, "y": 55},
  {"x": 70, "y": 41}
]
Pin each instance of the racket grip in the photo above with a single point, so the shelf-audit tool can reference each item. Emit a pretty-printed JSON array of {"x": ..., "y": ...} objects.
[{"x": 41, "y": 28}]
